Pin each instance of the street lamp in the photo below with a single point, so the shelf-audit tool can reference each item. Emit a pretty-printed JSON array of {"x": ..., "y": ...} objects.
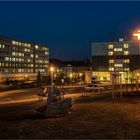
[
  {"x": 138, "y": 38},
  {"x": 52, "y": 72},
  {"x": 80, "y": 75},
  {"x": 71, "y": 77}
]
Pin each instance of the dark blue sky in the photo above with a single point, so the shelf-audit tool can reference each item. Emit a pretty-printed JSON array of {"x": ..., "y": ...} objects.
[{"x": 69, "y": 28}]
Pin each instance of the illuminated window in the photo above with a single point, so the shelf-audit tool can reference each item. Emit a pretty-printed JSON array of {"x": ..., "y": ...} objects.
[
  {"x": 25, "y": 50},
  {"x": 0, "y": 46},
  {"x": 125, "y": 45},
  {"x": 19, "y": 43},
  {"x": 6, "y": 58},
  {"x": 46, "y": 53},
  {"x": 16, "y": 43},
  {"x": 13, "y": 42},
  {"x": 13, "y": 59},
  {"x": 110, "y": 53},
  {"x": 126, "y": 52},
  {"x": 32, "y": 55},
  {"x": 46, "y": 61},
  {"x": 13, "y": 53},
  {"x": 111, "y": 61},
  {"x": 19, "y": 70},
  {"x": 19, "y": 54},
  {"x": 36, "y": 46},
  {"x": 118, "y": 49},
  {"x": 28, "y": 60},
  {"x": 29, "y": 45},
  {"x": 28, "y": 50},
  {"x": 110, "y": 46}
]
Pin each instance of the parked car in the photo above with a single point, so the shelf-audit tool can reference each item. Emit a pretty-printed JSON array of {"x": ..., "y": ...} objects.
[{"x": 92, "y": 87}]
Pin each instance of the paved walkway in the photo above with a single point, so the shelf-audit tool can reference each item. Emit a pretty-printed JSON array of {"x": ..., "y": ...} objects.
[{"x": 10, "y": 101}]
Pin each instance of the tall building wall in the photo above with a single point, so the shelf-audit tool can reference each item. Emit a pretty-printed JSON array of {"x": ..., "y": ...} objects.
[
  {"x": 22, "y": 58},
  {"x": 116, "y": 56}
]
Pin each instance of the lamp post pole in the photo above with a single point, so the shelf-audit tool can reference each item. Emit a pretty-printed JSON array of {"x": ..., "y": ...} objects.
[
  {"x": 71, "y": 78},
  {"x": 52, "y": 83},
  {"x": 137, "y": 75}
]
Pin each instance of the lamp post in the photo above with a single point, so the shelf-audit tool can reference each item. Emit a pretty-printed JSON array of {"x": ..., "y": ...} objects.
[
  {"x": 71, "y": 78},
  {"x": 137, "y": 75},
  {"x": 80, "y": 75},
  {"x": 52, "y": 73},
  {"x": 138, "y": 38},
  {"x": 137, "y": 81}
]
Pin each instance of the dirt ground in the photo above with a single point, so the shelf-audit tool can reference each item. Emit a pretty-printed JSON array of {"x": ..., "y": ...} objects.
[{"x": 92, "y": 117}]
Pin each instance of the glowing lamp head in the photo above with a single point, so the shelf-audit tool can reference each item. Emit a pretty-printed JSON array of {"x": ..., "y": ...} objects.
[
  {"x": 80, "y": 74},
  {"x": 52, "y": 69},
  {"x": 71, "y": 75},
  {"x": 137, "y": 35}
]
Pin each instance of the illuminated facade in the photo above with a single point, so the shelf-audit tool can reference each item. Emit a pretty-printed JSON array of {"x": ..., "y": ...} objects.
[
  {"x": 19, "y": 59},
  {"x": 121, "y": 56}
]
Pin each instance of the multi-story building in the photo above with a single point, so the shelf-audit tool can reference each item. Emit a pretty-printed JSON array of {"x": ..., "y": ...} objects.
[
  {"x": 121, "y": 56},
  {"x": 19, "y": 59}
]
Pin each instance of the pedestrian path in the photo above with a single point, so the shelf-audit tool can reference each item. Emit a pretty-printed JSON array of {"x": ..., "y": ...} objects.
[{"x": 11, "y": 101}]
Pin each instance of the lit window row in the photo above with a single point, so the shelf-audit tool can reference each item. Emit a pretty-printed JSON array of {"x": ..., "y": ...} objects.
[
  {"x": 126, "y": 61},
  {"x": 16, "y": 70},
  {"x": 110, "y": 46},
  {"x": 14, "y": 59},
  {"x": 27, "y": 50},
  {"x": 126, "y": 69},
  {"x": 17, "y": 54},
  {"x": 41, "y": 66},
  {"x": 21, "y": 44},
  {"x": 44, "y": 48},
  {"x": 25, "y": 70},
  {"x": 111, "y": 69},
  {"x": 15, "y": 65},
  {"x": 118, "y": 65},
  {"x": 41, "y": 70},
  {"x": 2, "y": 46},
  {"x": 117, "y": 49},
  {"x": 39, "y": 61}
]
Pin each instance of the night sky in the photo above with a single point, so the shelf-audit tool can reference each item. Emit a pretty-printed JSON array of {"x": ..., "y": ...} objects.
[{"x": 69, "y": 28}]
